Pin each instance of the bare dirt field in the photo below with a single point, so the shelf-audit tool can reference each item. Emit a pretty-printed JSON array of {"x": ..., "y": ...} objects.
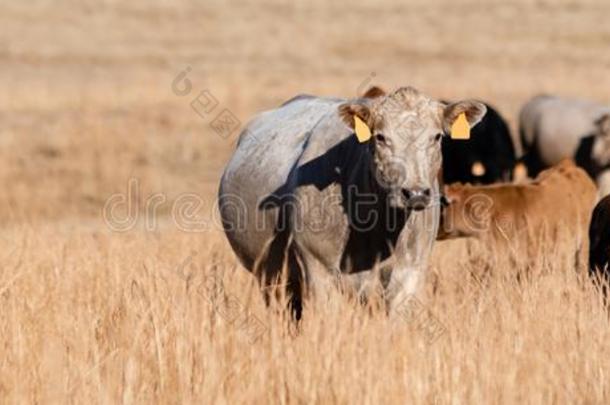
[{"x": 137, "y": 306}]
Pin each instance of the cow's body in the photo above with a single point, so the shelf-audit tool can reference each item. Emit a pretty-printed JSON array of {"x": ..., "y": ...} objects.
[
  {"x": 487, "y": 157},
  {"x": 554, "y": 128},
  {"x": 301, "y": 191},
  {"x": 557, "y": 202}
]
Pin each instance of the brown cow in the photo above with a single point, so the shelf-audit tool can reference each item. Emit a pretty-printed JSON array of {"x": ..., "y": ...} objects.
[{"x": 559, "y": 200}]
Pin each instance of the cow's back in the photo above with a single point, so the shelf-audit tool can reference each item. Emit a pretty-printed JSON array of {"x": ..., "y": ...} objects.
[
  {"x": 561, "y": 203},
  {"x": 555, "y": 126},
  {"x": 559, "y": 199},
  {"x": 255, "y": 184},
  {"x": 563, "y": 124}
]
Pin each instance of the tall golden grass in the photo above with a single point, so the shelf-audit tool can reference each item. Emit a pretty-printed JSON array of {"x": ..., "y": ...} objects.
[
  {"x": 91, "y": 315},
  {"x": 160, "y": 314}
]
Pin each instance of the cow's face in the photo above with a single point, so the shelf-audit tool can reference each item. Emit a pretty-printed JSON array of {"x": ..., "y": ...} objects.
[
  {"x": 407, "y": 128},
  {"x": 467, "y": 212},
  {"x": 601, "y": 146}
]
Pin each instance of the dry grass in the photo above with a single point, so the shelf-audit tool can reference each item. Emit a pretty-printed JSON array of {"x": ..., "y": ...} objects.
[{"x": 92, "y": 315}]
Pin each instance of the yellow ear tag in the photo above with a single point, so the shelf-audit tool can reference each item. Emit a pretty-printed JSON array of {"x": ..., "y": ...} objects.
[
  {"x": 363, "y": 132},
  {"x": 460, "y": 129}
]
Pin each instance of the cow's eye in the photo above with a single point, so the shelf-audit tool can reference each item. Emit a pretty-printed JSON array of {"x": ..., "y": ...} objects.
[
  {"x": 380, "y": 138},
  {"x": 438, "y": 137}
]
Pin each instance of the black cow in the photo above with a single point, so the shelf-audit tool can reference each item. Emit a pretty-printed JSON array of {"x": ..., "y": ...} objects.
[
  {"x": 599, "y": 241},
  {"x": 487, "y": 157},
  {"x": 593, "y": 154},
  {"x": 584, "y": 157}
]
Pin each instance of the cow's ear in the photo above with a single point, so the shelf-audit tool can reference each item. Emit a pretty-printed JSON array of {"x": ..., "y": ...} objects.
[
  {"x": 347, "y": 112},
  {"x": 374, "y": 92},
  {"x": 603, "y": 123},
  {"x": 451, "y": 195},
  {"x": 474, "y": 111}
]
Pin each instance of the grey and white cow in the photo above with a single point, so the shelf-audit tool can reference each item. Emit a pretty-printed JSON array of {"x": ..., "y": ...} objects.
[
  {"x": 302, "y": 193},
  {"x": 554, "y": 128}
]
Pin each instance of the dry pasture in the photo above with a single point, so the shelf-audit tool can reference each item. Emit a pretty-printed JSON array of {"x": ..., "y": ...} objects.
[{"x": 162, "y": 312}]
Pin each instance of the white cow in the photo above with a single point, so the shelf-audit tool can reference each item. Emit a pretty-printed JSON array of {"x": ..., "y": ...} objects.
[
  {"x": 554, "y": 128},
  {"x": 302, "y": 192}
]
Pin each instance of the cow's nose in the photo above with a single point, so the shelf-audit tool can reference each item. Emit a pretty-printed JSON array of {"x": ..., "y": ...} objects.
[{"x": 417, "y": 198}]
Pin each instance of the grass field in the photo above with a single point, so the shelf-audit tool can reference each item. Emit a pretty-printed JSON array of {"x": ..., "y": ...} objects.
[{"x": 157, "y": 310}]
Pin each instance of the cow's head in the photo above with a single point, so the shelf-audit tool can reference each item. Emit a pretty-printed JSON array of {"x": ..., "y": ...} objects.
[
  {"x": 601, "y": 146},
  {"x": 407, "y": 128},
  {"x": 467, "y": 212}
]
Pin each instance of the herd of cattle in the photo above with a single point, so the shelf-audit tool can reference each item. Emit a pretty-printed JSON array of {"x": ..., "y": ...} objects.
[{"x": 327, "y": 191}]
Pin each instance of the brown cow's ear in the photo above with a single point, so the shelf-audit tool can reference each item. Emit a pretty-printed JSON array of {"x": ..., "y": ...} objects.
[
  {"x": 603, "y": 124},
  {"x": 348, "y": 110},
  {"x": 473, "y": 110},
  {"x": 374, "y": 92},
  {"x": 452, "y": 194}
]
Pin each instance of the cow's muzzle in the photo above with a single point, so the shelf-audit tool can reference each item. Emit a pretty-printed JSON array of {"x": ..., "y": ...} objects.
[{"x": 417, "y": 199}]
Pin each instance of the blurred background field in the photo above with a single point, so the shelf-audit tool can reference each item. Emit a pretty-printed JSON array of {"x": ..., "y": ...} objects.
[
  {"x": 87, "y": 98},
  {"x": 87, "y": 103}
]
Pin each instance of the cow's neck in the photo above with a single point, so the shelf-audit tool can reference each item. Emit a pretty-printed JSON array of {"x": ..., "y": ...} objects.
[
  {"x": 374, "y": 226},
  {"x": 359, "y": 178}
]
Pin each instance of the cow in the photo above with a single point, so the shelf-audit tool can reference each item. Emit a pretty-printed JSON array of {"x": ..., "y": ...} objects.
[
  {"x": 514, "y": 216},
  {"x": 326, "y": 189},
  {"x": 599, "y": 242},
  {"x": 553, "y": 128},
  {"x": 593, "y": 154},
  {"x": 487, "y": 157}
]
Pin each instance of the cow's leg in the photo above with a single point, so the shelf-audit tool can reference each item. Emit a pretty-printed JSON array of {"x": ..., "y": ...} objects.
[
  {"x": 279, "y": 273},
  {"x": 294, "y": 284},
  {"x": 411, "y": 257},
  {"x": 533, "y": 162},
  {"x": 319, "y": 281},
  {"x": 281, "y": 278},
  {"x": 324, "y": 279},
  {"x": 404, "y": 284}
]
